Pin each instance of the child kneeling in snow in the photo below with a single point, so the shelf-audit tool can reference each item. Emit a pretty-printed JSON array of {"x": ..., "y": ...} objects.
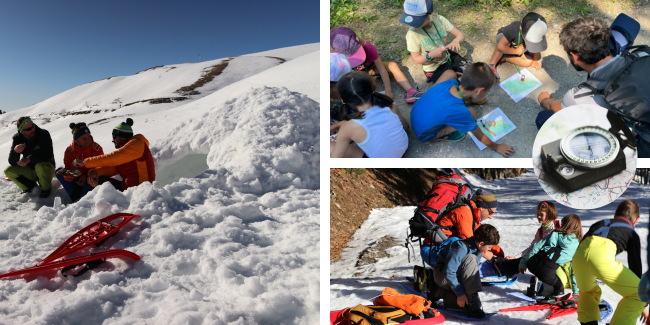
[
  {"x": 372, "y": 121},
  {"x": 545, "y": 257},
  {"x": 456, "y": 271}
]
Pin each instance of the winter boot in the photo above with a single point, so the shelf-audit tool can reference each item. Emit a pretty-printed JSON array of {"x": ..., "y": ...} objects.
[
  {"x": 27, "y": 182},
  {"x": 534, "y": 287},
  {"x": 547, "y": 290},
  {"x": 473, "y": 307},
  {"x": 44, "y": 193},
  {"x": 499, "y": 270}
]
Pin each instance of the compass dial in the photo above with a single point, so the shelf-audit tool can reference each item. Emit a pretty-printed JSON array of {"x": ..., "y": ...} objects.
[{"x": 589, "y": 147}]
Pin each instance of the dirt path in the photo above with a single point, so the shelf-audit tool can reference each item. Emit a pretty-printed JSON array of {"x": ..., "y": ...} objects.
[{"x": 480, "y": 27}]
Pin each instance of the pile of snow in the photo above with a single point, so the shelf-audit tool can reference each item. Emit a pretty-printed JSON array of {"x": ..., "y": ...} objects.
[
  {"x": 239, "y": 244},
  {"x": 267, "y": 135},
  {"x": 516, "y": 221}
]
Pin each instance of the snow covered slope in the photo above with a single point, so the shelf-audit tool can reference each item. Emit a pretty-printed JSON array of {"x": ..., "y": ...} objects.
[
  {"x": 515, "y": 219},
  {"x": 238, "y": 244}
]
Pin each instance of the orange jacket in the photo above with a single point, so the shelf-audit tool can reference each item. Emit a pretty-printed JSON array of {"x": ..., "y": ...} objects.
[
  {"x": 461, "y": 219},
  {"x": 76, "y": 152},
  {"x": 133, "y": 162}
]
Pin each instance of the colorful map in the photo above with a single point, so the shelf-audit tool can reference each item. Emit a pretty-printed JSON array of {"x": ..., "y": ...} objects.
[
  {"x": 495, "y": 125},
  {"x": 517, "y": 89}
]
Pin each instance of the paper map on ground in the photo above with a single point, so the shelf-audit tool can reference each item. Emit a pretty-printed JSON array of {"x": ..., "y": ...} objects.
[
  {"x": 495, "y": 125},
  {"x": 517, "y": 89},
  {"x": 595, "y": 195}
]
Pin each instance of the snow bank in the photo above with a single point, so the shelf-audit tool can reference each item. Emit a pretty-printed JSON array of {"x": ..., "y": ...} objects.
[
  {"x": 239, "y": 244},
  {"x": 267, "y": 137}
]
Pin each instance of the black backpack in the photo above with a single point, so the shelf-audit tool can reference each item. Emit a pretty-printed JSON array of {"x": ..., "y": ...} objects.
[{"x": 628, "y": 95}]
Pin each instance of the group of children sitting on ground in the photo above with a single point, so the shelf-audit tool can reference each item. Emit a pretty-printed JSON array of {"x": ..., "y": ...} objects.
[
  {"x": 444, "y": 112},
  {"x": 559, "y": 257}
]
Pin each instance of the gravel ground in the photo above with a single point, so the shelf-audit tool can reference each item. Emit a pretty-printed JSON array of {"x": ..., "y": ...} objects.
[{"x": 556, "y": 75}]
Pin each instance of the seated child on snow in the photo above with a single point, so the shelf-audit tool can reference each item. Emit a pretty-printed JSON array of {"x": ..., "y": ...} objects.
[
  {"x": 426, "y": 39},
  {"x": 441, "y": 113},
  {"x": 371, "y": 121},
  {"x": 546, "y": 215},
  {"x": 596, "y": 259},
  {"x": 339, "y": 66},
  {"x": 456, "y": 271},
  {"x": 546, "y": 256},
  {"x": 521, "y": 43},
  {"x": 74, "y": 181},
  {"x": 363, "y": 56}
]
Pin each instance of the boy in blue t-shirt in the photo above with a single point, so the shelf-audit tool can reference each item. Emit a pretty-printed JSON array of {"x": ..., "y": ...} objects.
[{"x": 441, "y": 114}]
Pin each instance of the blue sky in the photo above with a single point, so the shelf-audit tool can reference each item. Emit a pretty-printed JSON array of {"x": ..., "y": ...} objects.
[{"x": 48, "y": 47}]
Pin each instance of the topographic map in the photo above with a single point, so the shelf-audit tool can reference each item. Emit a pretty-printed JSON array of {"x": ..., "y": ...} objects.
[
  {"x": 517, "y": 89},
  {"x": 593, "y": 196},
  {"x": 495, "y": 125}
]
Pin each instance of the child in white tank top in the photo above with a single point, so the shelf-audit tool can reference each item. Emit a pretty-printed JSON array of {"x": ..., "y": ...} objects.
[{"x": 372, "y": 121}]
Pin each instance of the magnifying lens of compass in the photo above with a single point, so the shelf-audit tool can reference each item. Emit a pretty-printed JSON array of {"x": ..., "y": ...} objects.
[{"x": 590, "y": 146}]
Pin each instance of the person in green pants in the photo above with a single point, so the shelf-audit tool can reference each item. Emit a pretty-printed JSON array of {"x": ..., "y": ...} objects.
[
  {"x": 595, "y": 258},
  {"x": 31, "y": 158}
]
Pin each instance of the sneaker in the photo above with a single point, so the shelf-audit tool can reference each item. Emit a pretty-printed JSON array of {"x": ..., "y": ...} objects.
[
  {"x": 494, "y": 69},
  {"x": 412, "y": 95},
  {"x": 44, "y": 193},
  {"x": 453, "y": 136},
  {"x": 534, "y": 286}
]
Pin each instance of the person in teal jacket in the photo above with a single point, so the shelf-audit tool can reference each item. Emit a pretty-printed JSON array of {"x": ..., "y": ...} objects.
[{"x": 546, "y": 256}]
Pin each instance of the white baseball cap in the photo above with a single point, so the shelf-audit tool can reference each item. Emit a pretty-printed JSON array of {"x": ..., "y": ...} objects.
[
  {"x": 535, "y": 36},
  {"x": 415, "y": 12}
]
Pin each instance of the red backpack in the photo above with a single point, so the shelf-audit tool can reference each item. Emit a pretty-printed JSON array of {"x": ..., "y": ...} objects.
[{"x": 443, "y": 198}]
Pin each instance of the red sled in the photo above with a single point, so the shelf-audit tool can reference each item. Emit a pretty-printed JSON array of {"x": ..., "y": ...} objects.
[
  {"x": 340, "y": 317},
  {"x": 94, "y": 234}
]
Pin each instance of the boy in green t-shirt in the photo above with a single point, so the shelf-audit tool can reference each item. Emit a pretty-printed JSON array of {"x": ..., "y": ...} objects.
[{"x": 427, "y": 39}]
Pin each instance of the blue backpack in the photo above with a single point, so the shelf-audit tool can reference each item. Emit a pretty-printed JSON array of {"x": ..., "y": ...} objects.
[{"x": 430, "y": 253}]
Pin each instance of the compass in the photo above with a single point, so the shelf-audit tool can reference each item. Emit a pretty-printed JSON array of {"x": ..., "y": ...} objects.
[
  {"x": 583, "y": 156},
  {"x": 589, "y": 147}
]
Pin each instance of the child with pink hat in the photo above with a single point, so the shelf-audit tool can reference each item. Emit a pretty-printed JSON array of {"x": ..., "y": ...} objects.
[{"x": 363, "y": 56}]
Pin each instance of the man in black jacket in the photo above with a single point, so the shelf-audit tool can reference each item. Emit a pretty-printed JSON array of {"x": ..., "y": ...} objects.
[{"x": 37, "y": 162}]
